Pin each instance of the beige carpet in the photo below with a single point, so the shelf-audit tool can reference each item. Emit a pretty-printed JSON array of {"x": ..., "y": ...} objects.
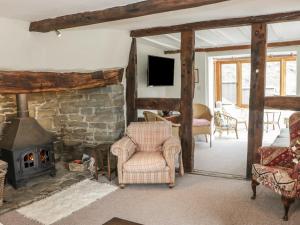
[
  {"x": 196, "y": 200},
  {"x": 228, "y": 154}
]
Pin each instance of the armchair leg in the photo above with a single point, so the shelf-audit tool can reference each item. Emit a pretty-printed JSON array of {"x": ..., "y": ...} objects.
[
  {"x": 171, "y": 185},
  {"x": 286, "y": 203},
  {"x": 236, "y": 133},
  {"x": 210, "y": 144},
  {"x": 254, "y": 184}
]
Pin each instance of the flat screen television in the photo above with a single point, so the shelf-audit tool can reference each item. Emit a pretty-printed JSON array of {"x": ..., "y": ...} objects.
[{"x": 160, "y": 71}]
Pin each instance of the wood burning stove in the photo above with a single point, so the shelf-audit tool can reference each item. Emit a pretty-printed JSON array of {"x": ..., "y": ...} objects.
[{"x": 26, "y": 147}]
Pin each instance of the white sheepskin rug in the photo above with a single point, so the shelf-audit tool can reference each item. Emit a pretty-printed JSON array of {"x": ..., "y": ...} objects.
[{"x": 64, "y": 203}]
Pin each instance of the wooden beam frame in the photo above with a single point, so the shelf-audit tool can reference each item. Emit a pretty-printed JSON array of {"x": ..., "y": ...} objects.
[
  {"x": 16, "y": 82},
  {"x": 172, "y": 104},
  {"x": 239, "y": 47},
  {"x": 257, "y": 93},
  {"x": 116, "y": 13},
  {"x": 187, "y": 91},
  {"x": 283, "y": 102},
  {"x": 213, "y": 24},
  {"x": 131, "y": 84}
]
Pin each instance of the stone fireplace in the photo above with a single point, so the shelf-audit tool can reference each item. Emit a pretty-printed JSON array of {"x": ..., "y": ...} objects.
[{"x": 88, "y": 116}]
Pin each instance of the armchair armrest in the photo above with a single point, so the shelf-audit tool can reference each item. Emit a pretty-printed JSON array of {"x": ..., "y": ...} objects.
[
  {"x": 275, "y": 156},
  {"x": 171, "y": 147},
  {"x": 176, "y": 125},
  {"x": 123, "y": 149}
]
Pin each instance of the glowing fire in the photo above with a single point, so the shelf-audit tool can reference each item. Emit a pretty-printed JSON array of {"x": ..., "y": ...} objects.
[{"x": 31, "y": 157}]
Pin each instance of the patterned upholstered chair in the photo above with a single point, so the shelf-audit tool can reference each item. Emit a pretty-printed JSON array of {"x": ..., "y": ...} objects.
[
  {"x": 224, "y": 122},
  {"x": 278, "y": 170},
  {"x": 147, "y": 154}
]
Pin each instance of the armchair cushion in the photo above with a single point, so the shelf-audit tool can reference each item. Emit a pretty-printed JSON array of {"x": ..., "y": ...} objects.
[
  {"x": 276, "y": 156},
  {"x": 145, "y": 161},
  {"x": 201, "y": 122},
  {"x": 149, "y": 136}
]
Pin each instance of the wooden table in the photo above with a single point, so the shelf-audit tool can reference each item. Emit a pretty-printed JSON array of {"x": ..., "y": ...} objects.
[
  {"x": 173, "y": 118},
  {"x": 98, "y": 152}
]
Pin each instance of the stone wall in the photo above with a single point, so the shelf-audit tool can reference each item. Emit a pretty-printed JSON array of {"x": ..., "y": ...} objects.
[{"x": 90, "y": 116}]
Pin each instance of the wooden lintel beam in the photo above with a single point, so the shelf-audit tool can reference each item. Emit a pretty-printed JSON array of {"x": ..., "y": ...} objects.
[
  {"x": 168, "y": 104},
  {"x": 283, "y": 102},
  {"x": 15, "y": 82},
  {"x": 257, "y": 93},
  {"x": 213, "y": 24},
  {"x": 239, "y": 47},
  {"x": 116, "y": 13}
]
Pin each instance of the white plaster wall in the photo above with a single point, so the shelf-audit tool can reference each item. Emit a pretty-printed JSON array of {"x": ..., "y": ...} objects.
[
  {"x": 204, "y": 90},
  {"x": 74, "y": 50},
  {"x": 143, "y": 50}
]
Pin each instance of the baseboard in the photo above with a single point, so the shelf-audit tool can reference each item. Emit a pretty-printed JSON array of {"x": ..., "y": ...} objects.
[{"x": 217, "y": 174}]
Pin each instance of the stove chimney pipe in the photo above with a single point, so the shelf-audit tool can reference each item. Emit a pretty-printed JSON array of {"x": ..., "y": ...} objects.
[{"x": 22, "y": 106}]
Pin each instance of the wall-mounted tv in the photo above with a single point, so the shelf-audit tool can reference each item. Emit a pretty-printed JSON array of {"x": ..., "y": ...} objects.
[{"x": 160, "y": 71}]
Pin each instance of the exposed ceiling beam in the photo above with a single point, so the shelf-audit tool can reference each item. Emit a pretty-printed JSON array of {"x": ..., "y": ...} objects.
[
  {"x": 116, "y": 13},
  {"x": 159, "y": 43},
  {"x": 239, "y": 47},
  {"x": 213, "y": 24}
]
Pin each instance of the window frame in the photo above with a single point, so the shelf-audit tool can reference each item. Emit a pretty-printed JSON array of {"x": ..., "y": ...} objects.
[{"x": 283, "y": 59}]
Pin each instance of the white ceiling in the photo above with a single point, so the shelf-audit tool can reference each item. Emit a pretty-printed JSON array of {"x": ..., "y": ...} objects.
[
  {"x": 32, "y": 10},
  {"x": 278, "y": 32}
]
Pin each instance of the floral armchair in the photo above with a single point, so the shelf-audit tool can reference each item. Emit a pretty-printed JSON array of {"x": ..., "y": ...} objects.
[
  {"x": 279, "y": 168},
  {"x": 147, "y": 154}
]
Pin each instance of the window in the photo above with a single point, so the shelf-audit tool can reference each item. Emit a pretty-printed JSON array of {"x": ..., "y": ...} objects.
[
  {"x": 232, "y": 79},
  {"x": 246, "y": 68},
  {"x": 229, "y": 83},
  {"x": 272, "y": 79},
  {"x": 291, "y": 75}
]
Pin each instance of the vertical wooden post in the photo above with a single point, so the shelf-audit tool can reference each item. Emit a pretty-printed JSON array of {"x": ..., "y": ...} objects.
[
  {"x": 131, "y": 84},
  {"x": 257, "y": 92},
  {"x": 186, "y": 104}
]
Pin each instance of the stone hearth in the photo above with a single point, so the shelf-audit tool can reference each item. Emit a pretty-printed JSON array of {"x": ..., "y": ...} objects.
[
  {"x": 91, "y": 116},
  {"x": 85, "y": 117},
  {"x": 40, "y": 187}
]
